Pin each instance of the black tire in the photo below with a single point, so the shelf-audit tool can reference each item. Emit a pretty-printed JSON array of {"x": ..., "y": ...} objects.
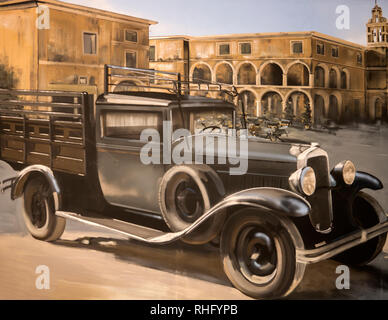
[
  {"x": 258, "y": 255},
  {"x": 367, "y": 213},
  {"x": 185, "y": 194},
  {"x": 39, "y": 214}
]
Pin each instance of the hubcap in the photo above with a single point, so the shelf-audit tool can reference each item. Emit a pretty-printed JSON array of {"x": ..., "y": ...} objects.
[
  {"x": 188, "y": 201},
  {"x": 256, "y": 254},
  {"x": 38, "y": 210}
]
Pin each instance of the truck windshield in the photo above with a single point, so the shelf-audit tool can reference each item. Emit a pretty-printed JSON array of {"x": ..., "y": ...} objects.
[{"x": 200, "y": 120}]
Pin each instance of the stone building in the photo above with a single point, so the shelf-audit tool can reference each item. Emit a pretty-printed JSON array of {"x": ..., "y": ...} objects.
[
  {"x": 377, "y": 66},
  {"x": 284, "y": 72},
  {"x": 53, "y": 45}
]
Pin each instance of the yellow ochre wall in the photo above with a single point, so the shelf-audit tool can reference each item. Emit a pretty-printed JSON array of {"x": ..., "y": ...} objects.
[
  {"x": 18, "y": 46},
  {"x": 53, "y": 58}
]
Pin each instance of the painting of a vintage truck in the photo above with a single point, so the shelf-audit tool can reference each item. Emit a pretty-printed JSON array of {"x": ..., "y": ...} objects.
[{"x": 209, "y": 158}]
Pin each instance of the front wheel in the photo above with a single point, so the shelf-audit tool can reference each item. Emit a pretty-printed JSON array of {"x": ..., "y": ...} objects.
[
  {"x": 39, "y": 214},
  {"x": 259, "y": 256}
]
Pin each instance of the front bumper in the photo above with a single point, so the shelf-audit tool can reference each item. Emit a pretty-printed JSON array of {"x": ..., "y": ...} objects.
[{"x": 332, "y": 249}]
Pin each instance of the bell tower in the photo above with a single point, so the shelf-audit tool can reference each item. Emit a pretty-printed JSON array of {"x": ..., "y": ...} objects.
[{"x": 377, "y": 28}]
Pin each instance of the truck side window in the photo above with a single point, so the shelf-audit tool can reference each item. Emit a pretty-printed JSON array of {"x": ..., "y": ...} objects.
[{"x": 130, "y": 124}]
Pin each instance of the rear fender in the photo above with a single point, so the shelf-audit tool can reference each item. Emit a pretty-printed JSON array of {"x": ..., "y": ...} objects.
[{"x": 17, "y": 189}]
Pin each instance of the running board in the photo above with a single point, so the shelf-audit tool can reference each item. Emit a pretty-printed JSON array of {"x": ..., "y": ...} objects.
[
  {"x": 126, "y": 229},
  {"x": 140, "y": 233}
]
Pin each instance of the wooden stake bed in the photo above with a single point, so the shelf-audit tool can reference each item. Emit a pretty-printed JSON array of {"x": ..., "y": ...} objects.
[{"x": 34, "y": 129}]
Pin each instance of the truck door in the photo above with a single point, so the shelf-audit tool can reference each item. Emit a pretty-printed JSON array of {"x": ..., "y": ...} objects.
[{"x": 125, "y": 180}]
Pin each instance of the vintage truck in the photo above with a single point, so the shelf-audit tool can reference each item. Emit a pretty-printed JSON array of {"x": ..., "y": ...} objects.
[{"x": 81, "y": 160}]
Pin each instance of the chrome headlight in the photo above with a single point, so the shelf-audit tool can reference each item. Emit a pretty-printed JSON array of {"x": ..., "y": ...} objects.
[
  {"x": 346, "y": 171},
  {"x": 304, "y": 181}
]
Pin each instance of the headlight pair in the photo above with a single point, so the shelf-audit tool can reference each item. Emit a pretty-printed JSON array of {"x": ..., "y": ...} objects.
[{"x": 304, "y": 180}]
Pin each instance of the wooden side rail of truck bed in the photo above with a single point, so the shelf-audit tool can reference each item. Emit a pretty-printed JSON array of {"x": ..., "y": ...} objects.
[{"x": 45, "y": 127}]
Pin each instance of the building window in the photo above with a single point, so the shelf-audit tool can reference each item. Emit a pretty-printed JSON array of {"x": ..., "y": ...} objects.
[
  {"x": 130, "y": 59},
  {"x": 359, "y": 58},
  {"x": 297, "y": 47},
  {"x": 152, "y": 53},
  {"x": 224, "y": 49},
  {"x": 90, "y": 43},
  {"x": 334, "y": 52},
  {"x": 245, "y": 48},
  {"x": 83, "y": 80},
  {"x": 321, "y": 48},
  {"x": 130, "y": 36}
]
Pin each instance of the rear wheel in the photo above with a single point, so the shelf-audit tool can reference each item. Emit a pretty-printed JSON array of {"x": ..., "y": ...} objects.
[
  {"x": 39, "y": 213},
  {"x": 367, "y": 213},
  {"x": 186, "y": 194},
  {"x": 259, "y": 256}
]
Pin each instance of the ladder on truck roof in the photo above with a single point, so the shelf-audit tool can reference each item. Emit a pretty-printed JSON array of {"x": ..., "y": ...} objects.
[{"x": 154, "y": 80}]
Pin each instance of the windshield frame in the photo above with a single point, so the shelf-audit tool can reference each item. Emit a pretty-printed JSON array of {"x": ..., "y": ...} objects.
[{"x": 188, "y": 111}]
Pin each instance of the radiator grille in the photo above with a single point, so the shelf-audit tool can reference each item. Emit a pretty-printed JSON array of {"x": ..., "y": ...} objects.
[{"x": 321, "y": 201}]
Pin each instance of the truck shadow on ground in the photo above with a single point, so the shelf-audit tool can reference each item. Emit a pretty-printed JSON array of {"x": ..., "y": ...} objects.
[
  {"x": 199, "y": 262},
  {"x": 204, "y": 263}
]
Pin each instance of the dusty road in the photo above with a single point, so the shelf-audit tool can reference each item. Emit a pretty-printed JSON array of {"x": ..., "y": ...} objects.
[{"x": 89, "y": 264}]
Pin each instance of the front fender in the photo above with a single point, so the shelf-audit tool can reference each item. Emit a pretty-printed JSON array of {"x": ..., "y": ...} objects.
[
  {"x": 17, "y": 189},
  {"x": 281, "y": 203},
  {"x": 362, "y": 181},
  {"x": 366, "y": 181}
]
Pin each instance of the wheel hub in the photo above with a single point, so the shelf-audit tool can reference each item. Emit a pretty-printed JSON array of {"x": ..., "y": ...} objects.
[
  {"x": 39, "y": 212},
  {"x": 256, "y": 253},
  {"x": 188, "y": 202}
]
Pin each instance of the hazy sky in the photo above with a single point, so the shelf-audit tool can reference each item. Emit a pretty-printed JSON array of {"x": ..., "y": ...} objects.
[{"x": 209, "y": 17}]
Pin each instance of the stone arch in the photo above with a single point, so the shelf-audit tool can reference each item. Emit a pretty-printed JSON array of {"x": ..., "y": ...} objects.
[
  {"x": 272, "y": 103},
  {"x": 319, "y": 109},
  {"x": 298, "y": 74},
  {"x": 271, "y": 73},
  {"x": 345, "y": 79},
  {"x": 334, "y": 78},
  {"x": 252, "y": 101},
  {"x": 348, "y": 114},
  {"x": 224, "y": 72},
  {"x": 375, "y": 59},
  {"x": 270, "y": 90},
  {"x": 321, "y": 75},
  {"x": 246, "y": 73},
  {"x": 201, "y": 71},
  {"x": 334, "y": 111},
  {"x": 298, "y": 100},
  {"x": 380, "y": 110},
  {"x": 297, "y": 62}
]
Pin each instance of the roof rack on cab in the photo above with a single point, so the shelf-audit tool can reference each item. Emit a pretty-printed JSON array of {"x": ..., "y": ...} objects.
[{"x": 124, "y": 80}]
